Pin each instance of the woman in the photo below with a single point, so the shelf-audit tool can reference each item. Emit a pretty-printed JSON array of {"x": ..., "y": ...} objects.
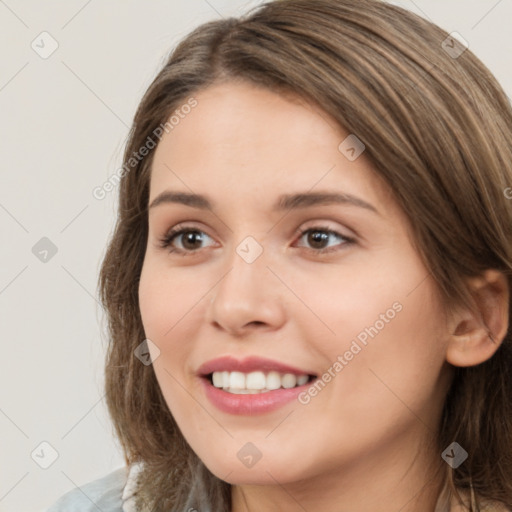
[{"x": 308, "y": 286}]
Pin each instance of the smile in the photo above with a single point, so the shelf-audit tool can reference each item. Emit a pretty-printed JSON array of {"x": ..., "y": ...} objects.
[
  {"x": 251, "y": 386},
  {"x": 256, "y": 382}
]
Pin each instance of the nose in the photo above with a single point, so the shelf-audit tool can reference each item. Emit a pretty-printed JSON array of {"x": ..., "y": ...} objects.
[{"x": 248, "y": 297}]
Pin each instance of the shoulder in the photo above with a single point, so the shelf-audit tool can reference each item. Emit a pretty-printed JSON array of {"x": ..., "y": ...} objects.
[{"x": 105, "y": 494}]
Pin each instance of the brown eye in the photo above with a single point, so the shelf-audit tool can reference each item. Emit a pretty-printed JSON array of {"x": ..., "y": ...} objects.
[
  {"x": 189, "y": 238},
  {"x": 317, "y": 237}
]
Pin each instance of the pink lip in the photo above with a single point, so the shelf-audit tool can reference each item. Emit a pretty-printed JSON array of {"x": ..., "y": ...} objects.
[
  {"x": 250, "y": 405},
  {"x": 253, "y": 404},
  {"x": 249, "y": 364}
]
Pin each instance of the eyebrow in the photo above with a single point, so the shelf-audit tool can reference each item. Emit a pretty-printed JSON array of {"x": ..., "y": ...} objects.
[{"x": 284, "y": 202}]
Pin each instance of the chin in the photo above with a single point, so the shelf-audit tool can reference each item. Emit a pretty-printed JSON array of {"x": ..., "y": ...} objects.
[
  {"x": 265, "y": 471},
  {"x": 254, "y": 476}
]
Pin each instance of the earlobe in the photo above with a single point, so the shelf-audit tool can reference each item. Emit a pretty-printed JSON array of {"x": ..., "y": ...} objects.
[{"x": 475, "y": 336}]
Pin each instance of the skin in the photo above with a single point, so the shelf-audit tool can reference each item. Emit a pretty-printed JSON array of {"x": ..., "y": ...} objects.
[{"x": 362, "y": 443}]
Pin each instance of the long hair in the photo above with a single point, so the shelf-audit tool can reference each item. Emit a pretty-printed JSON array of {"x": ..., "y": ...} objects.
[{"x": 437, "y": 126}]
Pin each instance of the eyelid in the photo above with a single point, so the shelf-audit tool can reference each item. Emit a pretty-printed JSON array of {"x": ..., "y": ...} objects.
[{"x": 344, "y": 231}]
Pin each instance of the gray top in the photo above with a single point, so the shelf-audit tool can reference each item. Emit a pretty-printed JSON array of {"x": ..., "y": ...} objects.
[{"x": 111, "y": 493}]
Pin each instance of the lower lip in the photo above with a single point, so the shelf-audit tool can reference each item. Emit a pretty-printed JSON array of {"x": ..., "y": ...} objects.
[{"x": 250, "y": 404}]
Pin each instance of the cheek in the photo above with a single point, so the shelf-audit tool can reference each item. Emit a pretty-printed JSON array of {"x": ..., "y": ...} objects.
[
  {"x": 150, "y": 298},
  {"x": 392, "y": 352},
  {"x": 386, "y": 325},
  {"x": 170, "y": 307},
  {"x": 166, "y": 299},
  {"x": 163, "y": 308},
  {"x": 347, "y": 303}
]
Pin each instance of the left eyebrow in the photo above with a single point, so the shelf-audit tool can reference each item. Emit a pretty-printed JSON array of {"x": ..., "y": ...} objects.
[
  {"x": 284, "y": 202},
  {"x": 307, "y": 199}
]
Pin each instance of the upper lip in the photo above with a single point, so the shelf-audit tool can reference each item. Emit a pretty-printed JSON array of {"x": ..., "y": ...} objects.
[{"x": 246, "y": 365}]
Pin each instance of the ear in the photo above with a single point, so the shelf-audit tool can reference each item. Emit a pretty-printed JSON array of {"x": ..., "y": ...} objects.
[{"x": 474, "y": 336}]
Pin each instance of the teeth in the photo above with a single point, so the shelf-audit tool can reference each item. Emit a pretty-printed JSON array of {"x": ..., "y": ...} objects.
[
  {"x": 288, "y": 380},
  {"x": 302, "y": 379},
  {"x": 237, "y": 380},
  {"x": 218, "y": 379},
  {"x": 273, "y": 380},
  {"x": 256, "y": 382},
  {"x": 242, "y": 391}
]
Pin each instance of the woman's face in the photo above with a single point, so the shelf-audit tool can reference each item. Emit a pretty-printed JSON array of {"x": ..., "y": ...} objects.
[{"x": 248, "y": 301}]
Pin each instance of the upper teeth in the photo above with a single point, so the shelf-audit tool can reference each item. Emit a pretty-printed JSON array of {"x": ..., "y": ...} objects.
[{"x": 256, "y": 382}]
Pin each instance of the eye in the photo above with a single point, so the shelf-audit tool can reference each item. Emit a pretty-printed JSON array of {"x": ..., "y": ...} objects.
[
  {"x": 317, "y": 236},
  {"x": 189, "y": 242}
]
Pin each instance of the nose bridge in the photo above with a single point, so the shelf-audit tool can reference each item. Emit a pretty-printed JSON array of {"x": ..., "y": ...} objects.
[
  {"x": 248, "y": 292},
  {"x": 248, "y": 268}
]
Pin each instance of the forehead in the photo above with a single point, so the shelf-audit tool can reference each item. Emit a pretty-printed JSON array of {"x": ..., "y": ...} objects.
[
  {"x": 249, "y": 139},
  {"x": 242, "y": 116}
]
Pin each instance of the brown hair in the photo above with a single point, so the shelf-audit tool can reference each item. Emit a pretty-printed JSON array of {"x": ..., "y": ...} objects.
[{"x": 437, "y": 127}]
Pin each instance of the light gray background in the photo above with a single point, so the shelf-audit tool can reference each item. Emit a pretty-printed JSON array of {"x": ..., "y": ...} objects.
[{"x": 63, "y": 123}]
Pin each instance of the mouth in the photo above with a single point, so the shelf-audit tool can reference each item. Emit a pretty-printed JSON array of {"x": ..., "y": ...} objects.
[
  {"x": 252, "y": 386},
  {"x": 256, "y": 382}
]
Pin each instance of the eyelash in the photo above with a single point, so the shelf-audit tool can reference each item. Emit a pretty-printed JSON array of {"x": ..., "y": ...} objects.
[{"x": 166, "y": 241}]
